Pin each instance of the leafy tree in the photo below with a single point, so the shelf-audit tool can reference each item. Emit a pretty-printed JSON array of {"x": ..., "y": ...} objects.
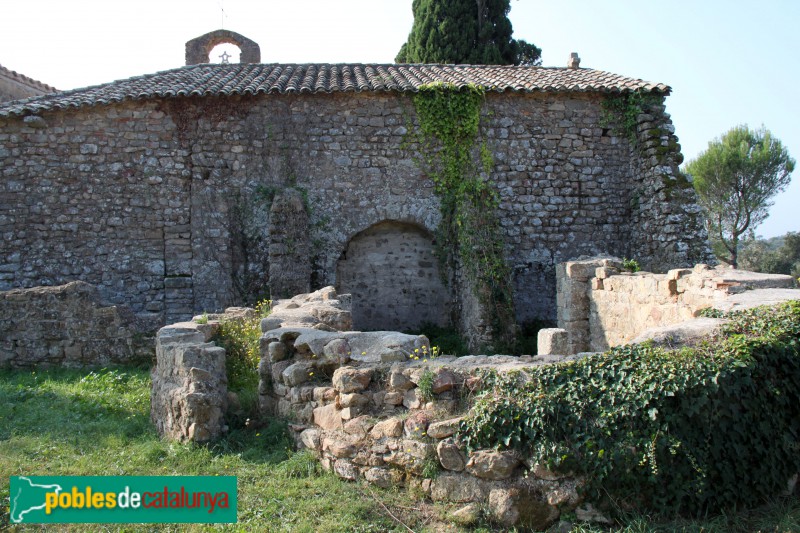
[
  {"x": 779, "y": 255},
  {"x": 475, "y": 32},
  {"x": 528, "y": 54},
  {"x": 790, "y": 252},
  {"x": 735, "y": 179}
]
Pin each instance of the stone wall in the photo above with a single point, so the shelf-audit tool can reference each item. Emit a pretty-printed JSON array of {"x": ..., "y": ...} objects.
[
  {"x": 376, "y": 406},
  {"x": 68, "y": 326},
  {"x": 189, "y": 390},
  {"x": 289, "y": 247},
  {"x": 600, "y": 306},
  {"x": 369, "y": 405},
  {"x": 392, "y": 273},
  {"x": 395, "y": 425},
  {"x": 667, "y": 226},
  {"x": 86, "y": 199},
  {"x": 144, "y": 198}
]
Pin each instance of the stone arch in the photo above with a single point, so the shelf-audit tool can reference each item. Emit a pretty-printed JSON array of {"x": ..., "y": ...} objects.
[
  {"x": 392, "y": 273},
  {"x": 198, "y": 49}
]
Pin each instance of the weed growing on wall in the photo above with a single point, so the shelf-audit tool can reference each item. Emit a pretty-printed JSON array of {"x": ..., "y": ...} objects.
[
  {"x": 469, "y": 233},
  {"x": 630, "y": 265},
  {"x": 425, "y": 385},
  {"x": 249, "y": 213},
  {"x": 244, "y": 219},
  {"x": 448, "y": 340},
  {"x": 622, "y": 112},
  {"x": 241, "y": 339},
  {"x": 689, "y": 431}
]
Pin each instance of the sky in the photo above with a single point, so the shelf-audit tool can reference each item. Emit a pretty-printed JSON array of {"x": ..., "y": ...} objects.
[{"x": 729, "y": 62}]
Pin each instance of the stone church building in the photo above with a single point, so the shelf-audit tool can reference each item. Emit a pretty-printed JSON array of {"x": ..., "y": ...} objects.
[
  {"x": 192, "y": 189},
  {"x": 15, "y": 86}
]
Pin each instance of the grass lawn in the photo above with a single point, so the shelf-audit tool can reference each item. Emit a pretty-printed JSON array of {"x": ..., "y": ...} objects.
[
  {"x": 74, "y": 423},
  {"x": 97, "y": 423}
]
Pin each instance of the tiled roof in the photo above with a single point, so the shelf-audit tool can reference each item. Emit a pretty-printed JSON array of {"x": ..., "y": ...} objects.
[
  {"x": 218, "y": 80},
  {"x": 30, "y": 82}
]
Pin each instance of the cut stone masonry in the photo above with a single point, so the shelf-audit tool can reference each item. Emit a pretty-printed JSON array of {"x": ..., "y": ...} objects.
[
  {"x": 377, "y": 406},
  {"x": 600, "y": 306},
  {"x": 372, "y": 406}
]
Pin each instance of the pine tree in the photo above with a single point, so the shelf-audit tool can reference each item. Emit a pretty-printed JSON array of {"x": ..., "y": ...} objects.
[
  {"x": 475, "y": 32},
  {"x": 735, "y": 178}
]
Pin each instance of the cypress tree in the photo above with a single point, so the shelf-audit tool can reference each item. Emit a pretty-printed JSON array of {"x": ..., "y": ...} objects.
[{"x": 475, "y": 32}]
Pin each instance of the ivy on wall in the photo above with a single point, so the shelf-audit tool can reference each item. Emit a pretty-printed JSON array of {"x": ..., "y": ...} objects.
[
  {"x": 469, "y": 233},
  {"x": 690, "y": 430},
  {"x": 622, "y": 112}
]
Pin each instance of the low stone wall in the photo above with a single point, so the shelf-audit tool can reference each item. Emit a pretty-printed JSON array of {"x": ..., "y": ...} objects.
[
  {"x": 600, "y": 306},
  {"x": 189, "y": 394},
  {"x": 68, "y": 326},
  {"x": 396, "y": 423},
  {"x": 377, "y": 406}
]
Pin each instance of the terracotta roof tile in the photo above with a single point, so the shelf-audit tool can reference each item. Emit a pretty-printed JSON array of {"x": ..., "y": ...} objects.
[
  {"x": 14, "y": 75},
  {"x": 251, "y": 79}
]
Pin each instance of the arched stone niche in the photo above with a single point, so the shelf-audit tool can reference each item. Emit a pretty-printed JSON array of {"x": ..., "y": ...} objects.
[
  {"x": 392, "y": 273},
  {"x": 198, "y": 49}
]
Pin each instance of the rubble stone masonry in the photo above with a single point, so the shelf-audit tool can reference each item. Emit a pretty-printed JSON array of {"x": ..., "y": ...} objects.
[
  {"x": 160, "y": 203},
  {"x": 68, "y": 326}
]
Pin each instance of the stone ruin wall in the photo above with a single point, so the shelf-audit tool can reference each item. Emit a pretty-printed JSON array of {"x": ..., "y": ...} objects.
[
  {"x": 68, "y": 326},
  {"x": 600, "y": 306},
  {"x": 378, "y": 422},
  {"x": 374, "y": 406},
  {"x": 158, "y": 202},
  {"x": 360, "y": 403},
  {"x": 666, "y": 226},
  {"x": 189, "y": 391}
]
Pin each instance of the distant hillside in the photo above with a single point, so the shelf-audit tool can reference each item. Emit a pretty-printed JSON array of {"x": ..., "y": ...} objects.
[{"x": 776, "y": 255}]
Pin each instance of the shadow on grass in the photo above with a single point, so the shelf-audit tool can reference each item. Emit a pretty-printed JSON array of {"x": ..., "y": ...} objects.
[
  {"x": 68, "y": 422},
  {"x": 83, "y": 411},
  {"x": 63, "y": 404},
  {"x": 269, "y": 445}
]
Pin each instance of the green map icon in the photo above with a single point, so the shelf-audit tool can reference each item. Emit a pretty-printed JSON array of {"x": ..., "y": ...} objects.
[
  {"x": 28, "y": 499},
  {"x": 122, "y": 499}
]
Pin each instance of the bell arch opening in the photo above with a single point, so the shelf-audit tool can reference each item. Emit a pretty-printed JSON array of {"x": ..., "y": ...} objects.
[
  {"x": 198, "y": 50},
  {"x": 225, "y": 53},
  {"x": 392, "y": 273}
]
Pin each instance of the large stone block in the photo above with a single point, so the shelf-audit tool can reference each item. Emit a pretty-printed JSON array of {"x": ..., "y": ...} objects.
[
  {"x": 450, "y": 456},
  {"x": 488, "y": 464},
  {"x": 189, "y": 387},
  {"x": 553, "y": 341},
  {"x": 444, "y": 428},
  {"x": 328, "y": 417},
  {"x": 349, "y": 379},
  {"x": 521, "y": 506},
  {"x": 458, "y": 488}
]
